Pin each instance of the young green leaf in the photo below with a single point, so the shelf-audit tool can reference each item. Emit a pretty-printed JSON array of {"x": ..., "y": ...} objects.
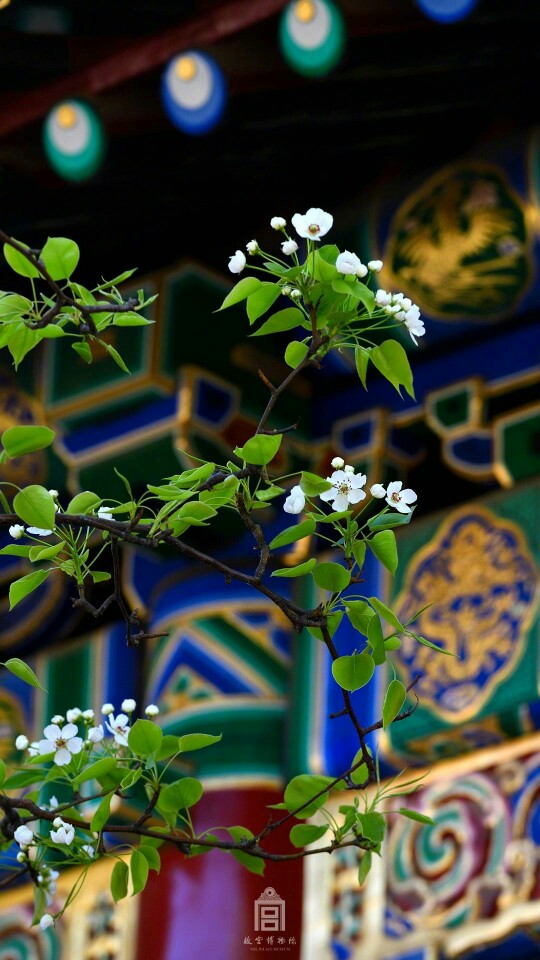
[
  {"x": 295, "y": 353},
  {"x": 119, "y": 881},
  {"x": 151, "y": 856},
  {"x": 60, "y": 257},
  {"x": 365, "y": 867},
  {"x": 386, "y": 613},
  {"x": 372, "y": 825},
  {"x": 383, "y": 545},
  {"x": 298, "y": 571},
  {"x": 304, "y": 833},
  {"x": 102, "y": 814},
  {"x": 286, "y": 319},
  {"x": 145, "y": 738},
  {"x": 312, "y": 485},
  {"x": 180, "y": 795},
  {"x": 376, "y": 640},
  {"x": 353, "y": 672},
  {"x": 393, "y": 701},
  {"x": 433, "y": 646},
  {"x": 35, "y": 506},
  {"x": 260, "y": 449},
  {"x": 139, "y": 871},
  {"x": 20, "y": 589},
  {"x": 95, "y": 770},
  {"x": 197, "y": 741},
  {"x": 331, "y": 576},
  {"x": 291, "y": 534},
  {"x": 414, "y": 815},
  {"x": 19, "y": 263},
  {"x": 240, "y": 292},
  {"x": 392, "y": 361},
  {"x": 83, "y": 349},
  {"x": 261, "y": 300},
  {"x": 359, "y": 613},
  {"x": 20, "y": 440},
  {"x": 21, "y": 670},
  {"x": 301, "y": 789}
]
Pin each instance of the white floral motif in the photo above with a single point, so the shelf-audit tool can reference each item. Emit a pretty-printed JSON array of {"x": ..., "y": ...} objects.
[
  {"x": 63, "y": 742},
  {"x": 346, "y": 489}
]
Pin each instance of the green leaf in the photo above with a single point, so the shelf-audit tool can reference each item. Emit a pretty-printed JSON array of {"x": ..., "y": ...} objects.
[
  {"x": 433, "y": 646},
  {"x": 253, "y": 864},
  {"x": 169, "y": 746},
  {"x": 131, "y": 319},
  {"x": 145, "y": 738},
  {"x": 393, "y": 701},
  {"x": 20, "y": 440},
  {"x": 24, "y": 778},
  {"x": 197, "y": 475},
  {"x": 102, "y": 814},
  {"x": 20, "y": 589},
  {"x": 151, "y": 856},
  {"x": 180, "y": 795},
  {"x": 52, "y": 332},
  {"x": 115, "y": 355},
  {"x": 60, "y": 257},
  {"x": 291, "y": 534},
  {"x": 365, "y": 867},
  {"x": 359, "y": 552},
  {"x": 385, "y": 612},
  {"x": 194, "y": 513},
  {"x": 361, "y": 359},
  {"x": 312, "y": 485},
  {"x": 96, "y": 770},
  {"x": 373, "y": 826},
  {"x": 361, "y": 773},
  {"x": 243, "y": 289},
  {"x": 301, "y": 789},
  {"x": 359, "y": 613},
  {"x": 295, "y": 353},
  {"x": 286, "y": 319},
  {"x": 261, "y": 300},
  {"x": 384, "y": 521},
  {"x": 331, "y": 576},
  {"x": 83, "y": 349},
  {"x": 383, "y": 545},
  {"x": 376, "y": 640},
  {"x": 319, "y": 268},
  {"x": 353, "y": 672},
  {"x": 19, "y": 263},
  {"x": 15, "y": 550},
  {"x": 35, "y": 506},
  {"x": 21, "y": 670},
  {"x": 304, "y": 833},
  {"x": 392, "y": 361},
  {"x": 43, "y": 552},
  {"x": 197, "y": 741},
  {"x": 269, "y": 492},
  {"x": 260, "y": 449},
  {"x": 139, "y": 871},
  {"x": 414, "y": 815},
  {"x": 83, "y": 502},
  {"x": 333, "y": 621},
  {"x": 119, "y": 881},
  {"x": 298, "y": 571}
]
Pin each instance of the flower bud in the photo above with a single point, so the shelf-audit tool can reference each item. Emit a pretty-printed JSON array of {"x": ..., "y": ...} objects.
[{"x": 338, "y": 463}]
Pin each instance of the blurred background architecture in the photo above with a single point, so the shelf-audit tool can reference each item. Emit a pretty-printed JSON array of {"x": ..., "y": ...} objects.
[{"x": 164, "y": 135}]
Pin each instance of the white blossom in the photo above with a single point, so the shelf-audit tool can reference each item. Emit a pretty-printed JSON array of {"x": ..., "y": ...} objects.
[
  {"x": 296, "y": 500},
  {"x": 346, "y": 489},
  {"x": 105, "y": 513},
  {"x": 313, "y": 224},
  {"x": 289, "y": 247},
  {"x": 73, "y": 715},
  {"x": 95, "y": 734},
  {"x": 277, "y": 223},
  {"x": 46, "y": 921},
  {"x": 414, "y": 324},
  {"x": 88, "y": 715},
  {"x": 21, "y": 742},
  {"x": 23, "y": 835},
  {"x": 33, "y": 749},
  {"x": 338, "y": 463},
  {"x": 296, "y": 293},
  {"x": 252, "y": 246},
  {"x": 58, "y": 718},
  {"x": 383, "y": 298},
  {"x": 128, "y": 706},
  {"x": 348, "y": 263},
  {"x": 119, "y": 727},
  {"x": 16, "y": 531},
  {"x": 39, "y": 531},
  {"x": 398, "y": 498},
  {"x": 151, "y": 710},
  {"x": 64, "y": 832},
  {"x": 348, "y": 469},
  {"x": 378, "y": 491},
  {"x": 64, "y": 742},
  {"x": 53, "y": 493},
  {"x": 237, "y": 262},
  {"x": 107, "y": 708},
  {"x": 375, "y": 266}
]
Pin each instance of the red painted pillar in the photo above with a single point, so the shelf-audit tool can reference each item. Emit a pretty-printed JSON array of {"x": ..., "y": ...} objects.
[{"x": 203, "y": 909}]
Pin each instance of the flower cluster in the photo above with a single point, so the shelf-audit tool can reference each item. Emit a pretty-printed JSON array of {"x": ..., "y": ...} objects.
[
  {"x": 401, "y": 308},
  {"x": 347, "y": 490}
]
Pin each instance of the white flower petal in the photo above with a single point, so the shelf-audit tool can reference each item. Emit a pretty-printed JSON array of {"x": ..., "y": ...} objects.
[
  {"x": 46, "y": 746},
  {"x": 328, "y": 495},
  {"x": 74, "y": 744},
  {"x": 53, "y": 732},
  {"x": 69, "y": 731},
  {"x": 356, "y": 495},
  {"x": 62, "y": 757},
  {"x": 341, "y": 502}
]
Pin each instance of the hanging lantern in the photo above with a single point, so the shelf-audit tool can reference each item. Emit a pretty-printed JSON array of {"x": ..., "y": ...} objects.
[
  {"x": 447, "y": 11},
  {"x": 312, "y": 36},
  {"x": 73, "y": 140},
  {"x": 194, "y": 92}
]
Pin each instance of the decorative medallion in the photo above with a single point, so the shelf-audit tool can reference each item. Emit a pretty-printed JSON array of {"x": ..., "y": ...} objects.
[
  {"x": 480, "y": 579},
  {"x": 459, "y": 245}
]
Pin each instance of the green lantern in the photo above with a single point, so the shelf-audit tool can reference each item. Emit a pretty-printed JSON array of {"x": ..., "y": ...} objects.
[
  {"x": 312, "y": 36},
  {"x": 73, "y": 140}
]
